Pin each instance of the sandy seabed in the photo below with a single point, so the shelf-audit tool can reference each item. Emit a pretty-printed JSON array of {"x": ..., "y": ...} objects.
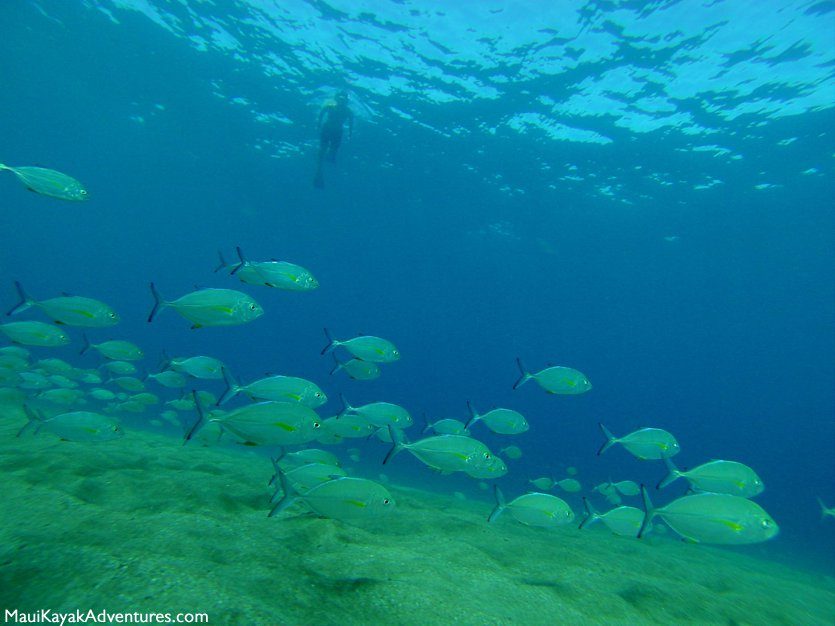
[{"x": 144, "y": 524}]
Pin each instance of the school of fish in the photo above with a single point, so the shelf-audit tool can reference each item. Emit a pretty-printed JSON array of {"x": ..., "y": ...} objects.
[{"x": 279, "y": 412}]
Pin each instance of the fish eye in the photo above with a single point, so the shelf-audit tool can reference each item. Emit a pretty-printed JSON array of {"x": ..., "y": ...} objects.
[
  {"x": 386, "y": 501},
  {"x": 316, "y": 424},
  {"x": 766, "y": 523},
  {"x": 83, "y": 192}
]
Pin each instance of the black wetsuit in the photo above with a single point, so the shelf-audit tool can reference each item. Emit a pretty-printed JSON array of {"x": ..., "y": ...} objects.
[{"x": 332, "y": 119}]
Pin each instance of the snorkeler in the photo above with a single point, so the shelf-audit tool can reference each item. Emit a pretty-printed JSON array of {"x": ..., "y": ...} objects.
[{"x": 332, "y": 118}]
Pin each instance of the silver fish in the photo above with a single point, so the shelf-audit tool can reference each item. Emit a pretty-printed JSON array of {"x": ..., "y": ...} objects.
[
  {"x": 69, "y": 310},
  {"x": 49, "y": 182},
  {"x": 713, "y": 518},
  {"x": 365, "y": 348},
  {"x": 210, "y": 307}
]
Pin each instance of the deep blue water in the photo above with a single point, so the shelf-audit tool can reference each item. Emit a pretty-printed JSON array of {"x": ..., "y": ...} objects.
[{"x": 456, "y": 234}]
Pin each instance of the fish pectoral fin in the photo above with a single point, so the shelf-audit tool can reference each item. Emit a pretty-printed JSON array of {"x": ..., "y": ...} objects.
[
  {"x": 357, "y": 503},
  {"x": 223, "y": 309},
  {"x": 196, "y": 326},
  {"x": 286, "y": 427}
]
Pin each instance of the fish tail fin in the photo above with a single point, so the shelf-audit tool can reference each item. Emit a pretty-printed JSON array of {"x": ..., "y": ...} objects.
[
  {"x": 591, "y": 515},
  {"x": 337, "y": 365},
  {"x": 201, "y": 418},
  {"x": 673, "y": 473},
  {"x": 87, "y": 345},
  {"x": 398, "y": 443},
  {"x": 158, "y": 303},
  {"x": 233, "y": 387},
  {"x": 275, "y": 460},
  {"x": 241, "y": 261},
  {"x": 820, "y": 503},
  {"x": 474, "y": 416},
  {"x": 289, "y": 497},
  {"x": 332, "y": 343},
  {"x": 221, "y": 262},
  {"x": 5, "y": 167},
  {"x": 25, "y": 300},
  {"x": 525, "y": 377},
  {"x": 346, "y": 406},
  {"x": 34, "y": 420},
  {"x": 610, "y": 439},
  {"x": 649, "y": 512},
  {"x": 501, "y": 505},
  {"x": 426, "y": 425}
]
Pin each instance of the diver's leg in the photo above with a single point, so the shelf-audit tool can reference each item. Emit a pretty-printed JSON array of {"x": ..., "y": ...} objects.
[{"x": 336, "y": 139}]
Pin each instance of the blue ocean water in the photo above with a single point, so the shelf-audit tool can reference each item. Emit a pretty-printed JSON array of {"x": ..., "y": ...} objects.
[{"x": 642, "y": 191}]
